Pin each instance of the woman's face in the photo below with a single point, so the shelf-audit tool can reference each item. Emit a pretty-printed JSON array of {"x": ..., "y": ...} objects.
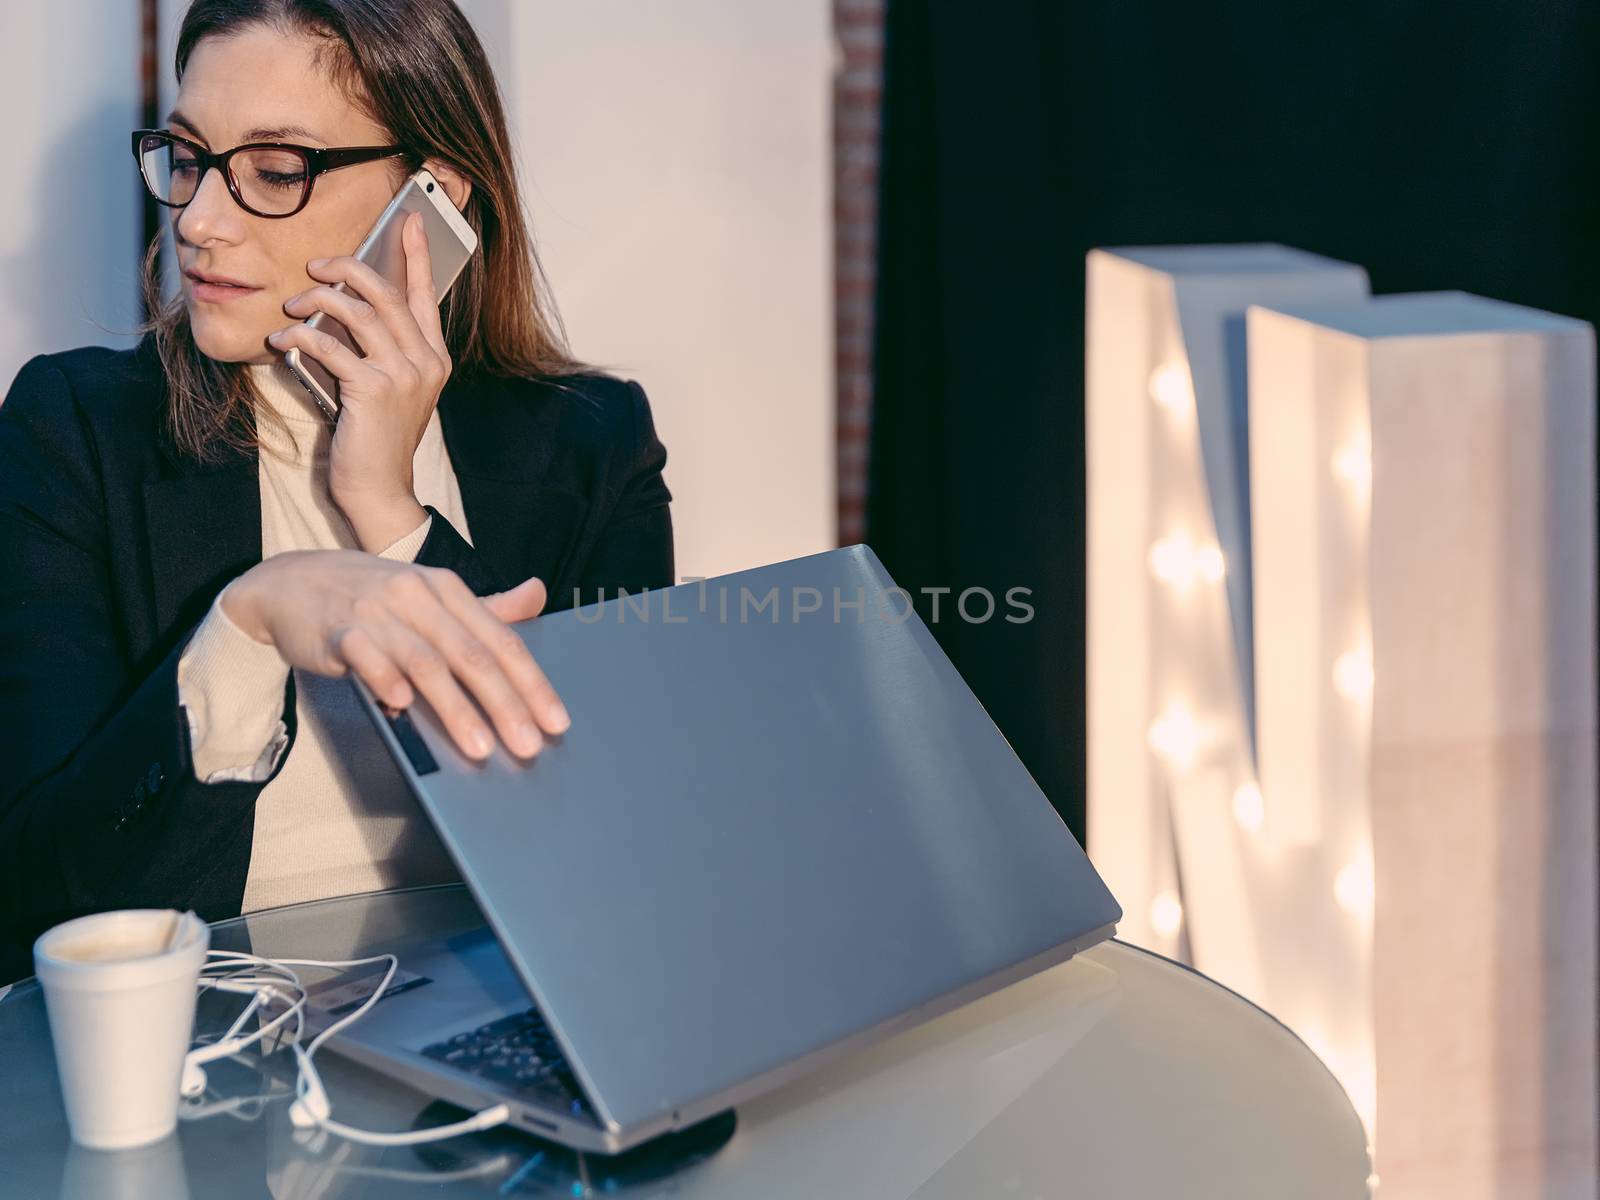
[{"x": 255, "y": 86}]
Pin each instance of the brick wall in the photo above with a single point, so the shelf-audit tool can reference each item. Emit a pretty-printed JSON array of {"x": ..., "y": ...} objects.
[{"x": 857, "y": 92}]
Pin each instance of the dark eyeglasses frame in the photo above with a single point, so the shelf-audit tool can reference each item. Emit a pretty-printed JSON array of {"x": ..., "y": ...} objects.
[{"x": 317, "y": 160}]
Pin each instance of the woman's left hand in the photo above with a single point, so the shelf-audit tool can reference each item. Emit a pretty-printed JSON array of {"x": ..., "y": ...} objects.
[{"x": 386, "y": 397}]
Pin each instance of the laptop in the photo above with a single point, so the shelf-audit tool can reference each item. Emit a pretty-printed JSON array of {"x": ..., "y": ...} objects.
[{"x": 779, "y": 829}]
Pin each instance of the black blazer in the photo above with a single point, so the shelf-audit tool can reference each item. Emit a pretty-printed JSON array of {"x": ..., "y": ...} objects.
[{"x": 113, "y": 546}]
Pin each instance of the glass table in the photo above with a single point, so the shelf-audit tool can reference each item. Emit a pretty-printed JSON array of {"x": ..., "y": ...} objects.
[{"x": 1117, "y": 1074}]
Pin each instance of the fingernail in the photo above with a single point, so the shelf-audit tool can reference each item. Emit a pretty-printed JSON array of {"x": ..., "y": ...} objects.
[
  {"x": 316, "y": 262},
  {"x": 530, "y": 738},
  {"x": 481, "y": 745},
  {"x": 275, "y": 335},
  {"x": 563, "y": 721}
]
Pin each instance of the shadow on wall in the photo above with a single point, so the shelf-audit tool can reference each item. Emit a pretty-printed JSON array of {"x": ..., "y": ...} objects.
[{"x": 73, "y": 278}]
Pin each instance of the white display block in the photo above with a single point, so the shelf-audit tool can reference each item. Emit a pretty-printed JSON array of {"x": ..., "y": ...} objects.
[
  {"x": 1423, "y": 495},
  {"x": 1169, "y": 646}
]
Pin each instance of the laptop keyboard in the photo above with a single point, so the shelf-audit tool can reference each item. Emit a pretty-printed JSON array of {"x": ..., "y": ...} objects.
[{"x": 521, "y": 1054}]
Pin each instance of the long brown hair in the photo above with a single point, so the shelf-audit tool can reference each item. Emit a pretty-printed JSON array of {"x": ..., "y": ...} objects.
[{"x": 417, "y": 68}]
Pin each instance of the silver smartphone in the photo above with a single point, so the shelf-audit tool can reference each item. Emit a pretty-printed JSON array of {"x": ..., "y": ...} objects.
[{"x": 451, "y": 242}]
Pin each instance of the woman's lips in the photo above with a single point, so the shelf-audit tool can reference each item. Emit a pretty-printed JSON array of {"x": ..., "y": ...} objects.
[{"x": 217, "y": 292}]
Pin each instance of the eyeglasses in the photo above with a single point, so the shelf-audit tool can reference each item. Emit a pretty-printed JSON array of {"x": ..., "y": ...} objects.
[{"x": 269, "y": 179}]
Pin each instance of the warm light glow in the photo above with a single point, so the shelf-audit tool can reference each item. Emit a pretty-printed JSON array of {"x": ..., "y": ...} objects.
[
  {"x": 1175, "y": 736},
  {"x": 1171, "y": 389},
  {"x": 1249, "y": 808},
  {"x": 1356, "y": 1072},
  {"x": 1179, "y": 561},
  {"x": 1353, "y": 464},
  {"x": 1352, "y": 676},
  {"x": 1354, "y": 889},
  {"x": 1166, "y": 915}
]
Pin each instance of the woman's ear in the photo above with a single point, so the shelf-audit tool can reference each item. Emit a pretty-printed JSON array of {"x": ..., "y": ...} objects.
[{"x": 456, "y": 185}]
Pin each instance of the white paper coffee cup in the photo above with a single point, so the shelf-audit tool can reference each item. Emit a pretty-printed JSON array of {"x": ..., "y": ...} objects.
[{"x": 121, "y": 1018}]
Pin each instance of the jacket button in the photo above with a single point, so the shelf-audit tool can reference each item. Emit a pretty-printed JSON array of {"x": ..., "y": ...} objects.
[{"x": 153, "y": 778}]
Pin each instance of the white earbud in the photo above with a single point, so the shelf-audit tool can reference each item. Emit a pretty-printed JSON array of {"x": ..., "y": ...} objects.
[
  {"x": 312, "y": 1108},
  {"x": 194, "y": 1079}
]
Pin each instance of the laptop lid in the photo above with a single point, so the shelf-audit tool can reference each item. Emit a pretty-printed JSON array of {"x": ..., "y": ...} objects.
[{"x": 779, "y": 819}]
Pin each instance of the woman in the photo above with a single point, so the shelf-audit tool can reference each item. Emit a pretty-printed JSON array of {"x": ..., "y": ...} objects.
[{"x": 193, "y": 560}]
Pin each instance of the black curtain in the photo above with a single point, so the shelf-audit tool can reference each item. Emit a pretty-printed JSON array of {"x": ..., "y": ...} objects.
[{"x": 1440, "y": 145}]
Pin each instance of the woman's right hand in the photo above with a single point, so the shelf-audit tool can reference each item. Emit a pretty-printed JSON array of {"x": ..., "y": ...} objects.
[{"x": 405, "y": 628}]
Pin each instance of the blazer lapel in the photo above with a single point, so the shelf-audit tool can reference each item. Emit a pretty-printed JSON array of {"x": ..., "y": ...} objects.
[
  {"x": 202, "y": 522},
  {"x": 501, "y": 436},
  {"x": 203, "y": 525}
]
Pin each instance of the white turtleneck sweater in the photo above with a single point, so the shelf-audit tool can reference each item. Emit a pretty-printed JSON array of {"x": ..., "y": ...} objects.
[{"x": 339, "y": 817}]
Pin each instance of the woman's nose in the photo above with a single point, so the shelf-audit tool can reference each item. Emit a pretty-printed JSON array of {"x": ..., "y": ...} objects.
[{"x": 211, "y": 211}]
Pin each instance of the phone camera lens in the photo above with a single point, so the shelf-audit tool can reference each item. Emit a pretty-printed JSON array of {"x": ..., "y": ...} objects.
[{"x": 430, "y": 187}]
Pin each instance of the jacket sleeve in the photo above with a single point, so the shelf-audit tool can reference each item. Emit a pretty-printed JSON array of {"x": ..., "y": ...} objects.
[
  {"x": 445, "y": 547},
  {"x": 634, "y": 551},
  {"x": 99, "y": 804}
]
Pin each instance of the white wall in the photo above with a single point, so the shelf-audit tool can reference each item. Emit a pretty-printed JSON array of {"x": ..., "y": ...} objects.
[
  {"x": 677, "y": 158},
  {"x": 70, "y": 209}
]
